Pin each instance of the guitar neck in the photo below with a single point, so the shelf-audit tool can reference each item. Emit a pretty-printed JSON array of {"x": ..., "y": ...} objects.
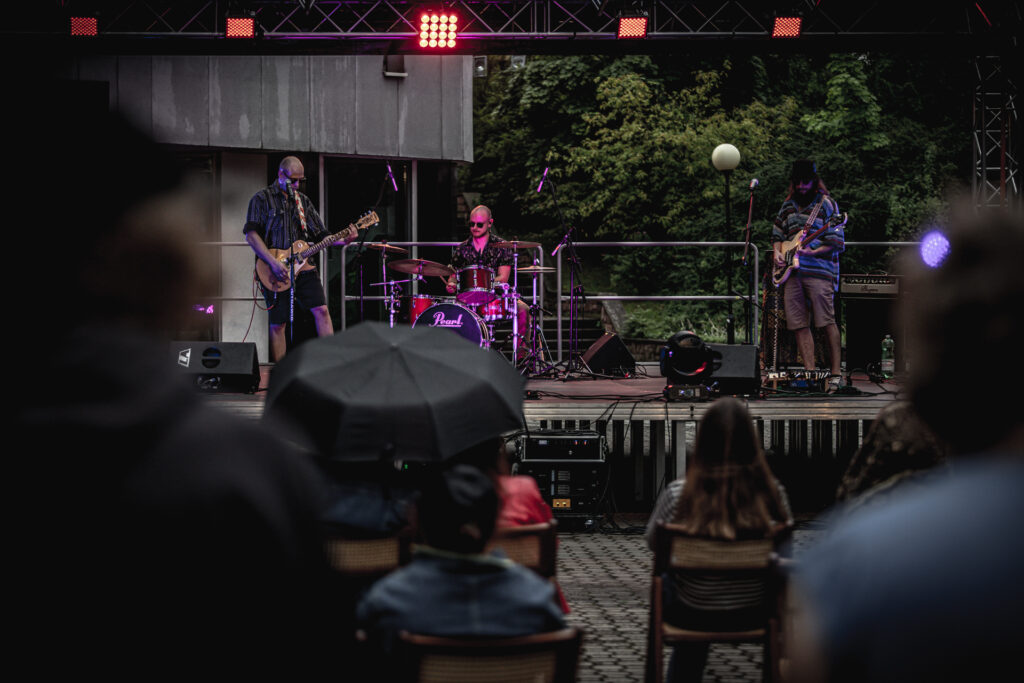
[{"x": 323, "y": 244}]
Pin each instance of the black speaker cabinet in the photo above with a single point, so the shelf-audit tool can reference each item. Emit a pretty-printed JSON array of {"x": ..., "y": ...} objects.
[
  {"x": 609, "y": 356},
  {"x": 736, "y": 369},
  {"x": 868, "y": 320},
  {"x": 218, "y": 366}
]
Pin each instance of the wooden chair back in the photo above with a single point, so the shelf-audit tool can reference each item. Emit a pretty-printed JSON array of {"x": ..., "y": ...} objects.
[
  {"x": 675, "y": 550},
  {"x": 542, "y": 658},
  {"x": 533, "y": 545}
]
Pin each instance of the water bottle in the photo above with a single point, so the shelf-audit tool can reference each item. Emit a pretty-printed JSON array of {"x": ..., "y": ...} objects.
[{"x": 888, "y": 357}]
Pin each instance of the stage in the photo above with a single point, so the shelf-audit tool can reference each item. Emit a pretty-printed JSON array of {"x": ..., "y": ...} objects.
[{"x": 808, "y": 436}]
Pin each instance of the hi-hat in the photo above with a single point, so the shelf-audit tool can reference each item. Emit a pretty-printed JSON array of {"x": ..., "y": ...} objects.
[
  {"x": 537, "y": 269},
  {"x": 418, "y": 266},
  {"x": 384, "y": 246},
  {"x": 515, "y": 244}
]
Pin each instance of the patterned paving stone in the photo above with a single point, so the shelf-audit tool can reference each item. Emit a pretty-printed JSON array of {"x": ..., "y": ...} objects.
[{"x": 605, "y": 575}]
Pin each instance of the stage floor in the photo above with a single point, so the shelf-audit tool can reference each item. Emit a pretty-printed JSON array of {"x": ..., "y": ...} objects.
[{"x": 580, "y": 398}]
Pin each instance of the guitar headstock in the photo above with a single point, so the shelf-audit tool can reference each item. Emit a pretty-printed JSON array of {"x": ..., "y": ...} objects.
[{"x": 366, "y": 220}]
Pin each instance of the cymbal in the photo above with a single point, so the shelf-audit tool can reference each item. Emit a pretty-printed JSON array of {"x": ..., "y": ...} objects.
[
  {"x": 515, "y": 244},
  {"x": 419, "y": 266},
  {"x": 537, "y": 269},
  {"x": 384, "y": 246}
]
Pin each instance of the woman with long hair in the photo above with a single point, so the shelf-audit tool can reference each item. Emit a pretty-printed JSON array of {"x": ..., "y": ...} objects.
[{"x": 728, "y": 493}]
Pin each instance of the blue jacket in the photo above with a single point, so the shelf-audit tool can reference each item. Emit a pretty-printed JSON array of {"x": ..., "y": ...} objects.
[{"x": 448, "y": 594}]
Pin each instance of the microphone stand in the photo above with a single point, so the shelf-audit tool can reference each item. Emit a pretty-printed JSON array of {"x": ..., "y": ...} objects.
[
  {"x": 291, "y": 264},
  {"x": 748, "y": 271},
  {"x": 577, "y": 299}
]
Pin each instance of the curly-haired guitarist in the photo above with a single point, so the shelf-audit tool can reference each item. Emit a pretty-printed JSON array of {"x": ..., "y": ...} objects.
[{"x": 807, "y": 238}]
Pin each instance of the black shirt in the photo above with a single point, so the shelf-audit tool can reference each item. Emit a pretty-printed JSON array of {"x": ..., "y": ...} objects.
[
  {"x": 465, "y": 255},
  {"x": 271, "y": 213}
]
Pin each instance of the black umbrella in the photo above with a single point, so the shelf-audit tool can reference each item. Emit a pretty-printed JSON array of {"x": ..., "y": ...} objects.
[{"x": 374, "y": 392}]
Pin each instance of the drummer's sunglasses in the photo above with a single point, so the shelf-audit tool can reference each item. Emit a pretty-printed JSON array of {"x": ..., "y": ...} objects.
[{"x": 478, "y": 224}]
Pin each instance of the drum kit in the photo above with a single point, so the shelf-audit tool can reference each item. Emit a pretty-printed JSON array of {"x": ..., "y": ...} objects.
[{"x": 478, "y": 305}]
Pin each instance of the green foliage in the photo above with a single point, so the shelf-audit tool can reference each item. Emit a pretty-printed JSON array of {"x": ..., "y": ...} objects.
[{"x": 629, "y": 144}]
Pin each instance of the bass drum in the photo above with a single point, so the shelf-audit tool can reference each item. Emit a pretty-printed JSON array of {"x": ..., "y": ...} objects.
[{"x": 459, "y": 319}]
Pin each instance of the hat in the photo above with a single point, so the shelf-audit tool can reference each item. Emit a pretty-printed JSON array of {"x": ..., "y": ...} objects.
[
  {"x": 803, "y": 169},
  {"x": 458, "y": 509}
]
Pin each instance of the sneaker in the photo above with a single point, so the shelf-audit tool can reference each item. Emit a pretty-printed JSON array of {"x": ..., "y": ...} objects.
[{"x": 835, "y": 382}]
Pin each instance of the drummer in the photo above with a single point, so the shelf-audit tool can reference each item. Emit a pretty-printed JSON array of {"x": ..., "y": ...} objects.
[{"x": 478, "y": 250}]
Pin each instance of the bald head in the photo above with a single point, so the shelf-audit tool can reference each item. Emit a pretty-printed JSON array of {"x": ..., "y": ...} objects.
[{"x": 290, "y": 172}]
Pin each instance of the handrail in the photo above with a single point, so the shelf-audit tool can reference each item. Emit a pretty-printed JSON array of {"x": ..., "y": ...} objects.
[
  {"x": 558, "y": 274},
  {"x": 755, "y": 259}
]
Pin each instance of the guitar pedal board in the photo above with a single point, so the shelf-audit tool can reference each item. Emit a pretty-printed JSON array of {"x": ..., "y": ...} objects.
[{"x": 799, "y": 380}]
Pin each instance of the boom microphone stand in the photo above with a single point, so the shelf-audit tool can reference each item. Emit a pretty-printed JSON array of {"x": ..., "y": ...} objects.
[{"x": 574, "y": 363}]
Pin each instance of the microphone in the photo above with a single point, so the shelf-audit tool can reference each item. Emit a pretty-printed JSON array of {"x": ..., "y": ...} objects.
[
  {"x": 392, "y": 176},
  {"x": 560, "y": 245},
  {"x": 543, "y": 178},
  {"x": 753, "y": 183}
]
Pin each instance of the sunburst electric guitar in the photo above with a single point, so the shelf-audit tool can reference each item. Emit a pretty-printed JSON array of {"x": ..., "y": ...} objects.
[
  {"x": 301, "y": 251},
  {"x": 790, "y": 249}
]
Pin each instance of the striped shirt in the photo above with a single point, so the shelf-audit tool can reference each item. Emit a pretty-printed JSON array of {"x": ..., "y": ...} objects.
[
  {"x": 275, "y": 218},
  {"x": 792, "y": 218},
  {"x": 710, "y": 592}
]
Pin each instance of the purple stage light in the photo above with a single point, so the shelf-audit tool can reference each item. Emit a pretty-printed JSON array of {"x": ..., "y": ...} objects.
[{"x": 934, "y": 248}]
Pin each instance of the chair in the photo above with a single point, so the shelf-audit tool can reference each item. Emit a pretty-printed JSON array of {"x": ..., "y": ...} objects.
[
  {"x": 532, "y": 545},
  {"x": 551, "y": 657},
  {"x": 675, "y": 550},
  {"x": 781, "y": 626},
  {"x": 367, "y": 559}
]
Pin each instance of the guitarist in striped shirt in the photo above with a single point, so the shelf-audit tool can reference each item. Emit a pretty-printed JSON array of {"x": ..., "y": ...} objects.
[
  {"x": 809, "y": 289},
  {"x": 278, "y": 216}
]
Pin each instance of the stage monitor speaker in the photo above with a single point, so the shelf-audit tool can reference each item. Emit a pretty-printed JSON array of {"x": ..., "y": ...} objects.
[
  {"x": 218, "y": 366},
  {"x": 736, "y": 369},
  {"x": 609, "y": 356}
]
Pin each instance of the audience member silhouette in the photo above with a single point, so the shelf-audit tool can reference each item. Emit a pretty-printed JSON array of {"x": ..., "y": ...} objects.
[
  {"x": 728, "y": 493},
  {"x": 451, "y": 588},
  {"x": 927, "y": 587},
  {"x": 156, "y": 536},
  {"x": 899, "y": 451},
  {"x": 521, "y": 501}
]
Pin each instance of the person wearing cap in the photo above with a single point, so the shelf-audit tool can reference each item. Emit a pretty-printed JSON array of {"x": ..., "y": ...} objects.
[
  {"x": 279, "y": 215},
  {"x": 809, "y": 291},
  {"x": 452, "y": 587}
]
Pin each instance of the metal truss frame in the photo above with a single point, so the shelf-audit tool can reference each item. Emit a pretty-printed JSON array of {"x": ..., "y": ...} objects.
[
  {"x": 996, "y": 181},
  {"x": 546, "y": 20}
]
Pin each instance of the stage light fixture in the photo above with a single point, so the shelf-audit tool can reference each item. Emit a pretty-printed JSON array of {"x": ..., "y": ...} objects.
[
  {"x": 438, "y": 30},
  {"x": 632, "y": 27},
  {"x": 240, "y": 27},
  {"x": 787, "y": 27},
  {"x": 84, "y": 26},
  {"x": 686, "y": 359}
]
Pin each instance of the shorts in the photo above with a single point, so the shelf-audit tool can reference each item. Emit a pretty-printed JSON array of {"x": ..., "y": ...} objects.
[
  {"x": 308, "y": 295},
  {"x": 819, "y": 292}
]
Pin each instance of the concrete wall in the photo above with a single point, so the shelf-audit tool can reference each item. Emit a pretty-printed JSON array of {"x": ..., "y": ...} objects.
[
  {"x": 246, "y": 106},
  {"x": 308, "y": 103}
]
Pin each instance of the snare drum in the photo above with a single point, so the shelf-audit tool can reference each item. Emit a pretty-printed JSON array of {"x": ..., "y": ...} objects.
[
  {"x": 459, "y": 319},
  {"x": 475, "y": 285},
  {"x": 502, "y": 307},
  {"x": 412, "y": 306}
]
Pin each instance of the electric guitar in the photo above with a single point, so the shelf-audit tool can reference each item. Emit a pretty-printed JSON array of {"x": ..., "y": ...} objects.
[
  {"x": 790, "y": 257},
  {"x": 300, "y": 252}
]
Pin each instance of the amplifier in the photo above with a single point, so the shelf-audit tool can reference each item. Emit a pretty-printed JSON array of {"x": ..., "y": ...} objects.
[
  {"x": 570, "y": 487},
  {"x": 869, "y": 285},
  {"x": 563, "y": 445}
]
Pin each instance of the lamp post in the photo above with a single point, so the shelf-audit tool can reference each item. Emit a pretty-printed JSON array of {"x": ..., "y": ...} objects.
[{"x": 725, "y": 159}]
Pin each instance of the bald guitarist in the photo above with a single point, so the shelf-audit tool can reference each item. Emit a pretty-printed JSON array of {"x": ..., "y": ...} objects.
[
  {"x": 809, "y": 274},
  {"x": 279, "y": 216}
]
